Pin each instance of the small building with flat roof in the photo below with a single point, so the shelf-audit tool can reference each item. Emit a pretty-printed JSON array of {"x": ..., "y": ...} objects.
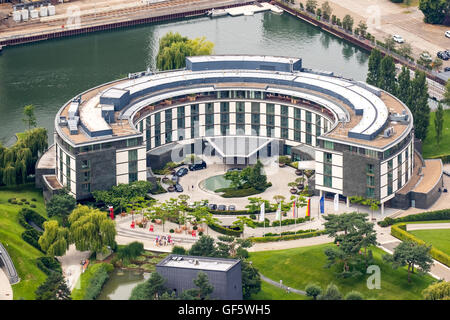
[{"x": 225, "y": 275}]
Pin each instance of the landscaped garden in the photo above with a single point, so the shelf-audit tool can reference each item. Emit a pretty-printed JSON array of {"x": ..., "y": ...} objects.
[
  {"x": 438, "y": 238},
  {"x": 22, "y": 253},
  {"x": 271, "y": 292},
  {"x": 300, "y": 266},
  {"x": 430, "y": 148}
]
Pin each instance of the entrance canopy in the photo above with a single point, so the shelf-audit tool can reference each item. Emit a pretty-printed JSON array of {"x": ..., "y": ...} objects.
[{"x": 239, "y": 146}]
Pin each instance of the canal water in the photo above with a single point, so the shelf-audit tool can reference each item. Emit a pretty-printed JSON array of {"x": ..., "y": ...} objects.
[
  {"x": 50, "y": 73},
  {"x": 120, "y": 284}
]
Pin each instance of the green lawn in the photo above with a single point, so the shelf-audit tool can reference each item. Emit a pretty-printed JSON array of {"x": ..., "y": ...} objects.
[
  {"x": 22, "y": 254},
  {"x": 439, "y": 238},
  {"x": 271, "y": 292},
  {"x": 430, "y": 148},
  {"x": 299, "y": 266}
]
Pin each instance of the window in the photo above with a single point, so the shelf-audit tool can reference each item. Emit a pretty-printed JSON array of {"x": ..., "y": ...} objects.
[
  {"x": 240, "y": 106},
  {"x": 194, "y": 109},
  {"x": 168, "y": 120},
  {"x": 224, "y": 129},
  {"x": 224, "y": 107},
  {"x": 327, "y": 169},
  {"x": 327, "y": 181},
  {"x": 86, "y": 175},
  {"x": 270, "y": 131},
  {"x": 132, "y": 177},
  {"x": 308, "y": 139},
  {"x": 328, "y": 145},
  {"x": 270, "y": 108},
  {"x": 255, "y": 107},
  {"x": 86, "y": 187},
  {"x": 209, "y": 108},
  {"x": 308, "y": 128},
  {"x": 284, "y": 122},
  {"x": 132, "y": 155},
  {"x": 209, "y": 119},
  {"x": 168, "y": 136},
  {"x": 284, "y": 133},
  {"x": 370, "y": 192},
  {"x": 297, "y": 124},
  {"x": 255, "y": 130},
  {"x": 85, "y": 164},
  {"x": 308, "y": 116},
  {"x": 297, "y": 136},
  {"x": 328, "y": 157},
  {"x": 224, "y": 118},
  {"x": 371, "y": 153},
  {"x": 370, "y": 168},
  {"x": 240, "y": 118},
  {"x": 370, "y": 180},
  {"x": 297, "y": 113},
  {"x": 255, "y": 118},
  {"x": 270, "y": 120},
  {"x": 132, "y": 142},
  {"x": 284, "y": 110}
]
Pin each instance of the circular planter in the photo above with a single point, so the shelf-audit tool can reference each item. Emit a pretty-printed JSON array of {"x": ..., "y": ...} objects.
[
  {"x": 300, "y": 186},
  {"x": 282, "y": 165},
  {"x": 299, "y": 172},
  {"x": 293, "y": 191},
  {"x": 165, "y": 179},
  {"x": 171, "y": 189}
]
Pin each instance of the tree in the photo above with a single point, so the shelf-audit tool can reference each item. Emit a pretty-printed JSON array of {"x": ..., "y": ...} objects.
[
  {"x": 130, "y": 251},
  {"x": 232, "y": 247},
  {"x": 387, "y": 80},
  {"x": 313, "y": 290},
  {"x": 61, "y": 205},
  {"x": 436, "y": 64},
  {"x": 326, "y": 10},
  {"x": 419, "y": 105},
  {"x": 311, "y": 5},
  {"x": 362, "y": 26},
  {"x": 351, "y": 233},
  {"x": 373, "y": 75},
  {"x": 354, "y": 295},
  {"x": 404, "y": 86},
  {"x": 251, "y": 280},
  {"x": 389, "y": 43},
  {"x": 434, "y": 11},
  {"x": 447, "y": 93},
  {"x": 173, "y": 50},
  {"x": 152, "y": 289},
  {"x": 54, "y": 288},
  {"x": 204, "y": 247},
  {"x": 91, "y": 229},
  {"x": 235, "y": 178},
  {"x": 347, "y": 23},
  {"x": 409, "y": 254},
  {"x": 203, "y": 290},
  {"x": 331, "y": 293},
  {"x": 55, "y": 239},
  {"x": 439, "y": 122},
  {"x": 30, "y": 118},
  {"x": 241, "y": 222},
  {"x": 437, "y": 291},
  {"x": 405, "y": 49}
]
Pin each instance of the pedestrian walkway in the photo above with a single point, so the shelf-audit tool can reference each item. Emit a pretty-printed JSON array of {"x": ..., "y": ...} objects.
[
  {"x": 6, "y": 292},
  {"x": 427, "y": 226},
  {"x": 281, "y": 285},
  {"x": 71, "y": 265}
]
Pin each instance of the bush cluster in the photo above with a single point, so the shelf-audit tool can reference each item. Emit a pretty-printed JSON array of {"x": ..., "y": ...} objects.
[
  {"x": 226, "y": 231},
  {"x": 288, "y": 237},
  {"x": 31, "y": 235},
  {"x": 97, "y": 281},
  {"x": 424, "y": 216},
  {"x": 48, "y": 265}
]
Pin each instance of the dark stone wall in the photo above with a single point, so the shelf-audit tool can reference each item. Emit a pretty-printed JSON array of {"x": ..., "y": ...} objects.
[
  {"x": 355, "y": 176},
  {"x": 227, "y": 285},
  {"x": 103, "y": 171},
  {"x": 38, "y": 180},
  {"x": 422, "y": 200}
]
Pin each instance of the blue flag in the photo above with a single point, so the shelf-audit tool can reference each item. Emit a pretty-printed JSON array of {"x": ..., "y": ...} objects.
[{"x": 322, "y": 204}]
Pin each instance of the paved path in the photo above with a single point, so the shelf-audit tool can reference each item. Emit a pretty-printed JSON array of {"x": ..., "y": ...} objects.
[
  {"x": 6, "y": 292},
  {"x": 281, "y": 285},
  {"x": 71, "y": 265},
  {"x": 427, "y": 226}
]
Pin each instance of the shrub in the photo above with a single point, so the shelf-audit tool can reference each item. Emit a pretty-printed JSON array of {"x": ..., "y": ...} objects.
[
  {"x": 424, "y": 216},
  {"x": 399, "y": 232},
  {"x": 253, "y": 216},
  {"x": 97, "y": 281},
  {"x": 354, "y": 295},
  {"x": 11, "y": 200},
  {"x": 179, "y": 250},
  {"x": 48, "y": 265},
  {"x": 171, "y": 231},
  {"x": 32, "y": 205},
  {"x": 23, "y": 200},
  {"x": 200, "y": 233},
  {"x": 225, "y": 231},
  {"x": 288, "y": 237},
  {"x": 32, "y": 237},
  {"x": 33, "y": 199}
]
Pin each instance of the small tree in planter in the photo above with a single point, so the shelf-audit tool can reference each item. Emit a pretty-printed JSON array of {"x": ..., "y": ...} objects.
[
  {"x": 300, "y": 181},
  {"x": 301, "y": 6},
  {"x": 283, "y": 160},
  {"x": 171, "y": 187},
  {"x": 293, "y": 186}
]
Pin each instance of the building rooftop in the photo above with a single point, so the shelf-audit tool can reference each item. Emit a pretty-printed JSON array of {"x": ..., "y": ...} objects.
[{"x": 200, "y": 263}]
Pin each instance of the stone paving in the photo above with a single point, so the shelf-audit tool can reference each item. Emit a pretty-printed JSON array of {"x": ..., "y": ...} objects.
[
  {"x": 6, "y": 292},
  {"x": 71, "y": 265}
]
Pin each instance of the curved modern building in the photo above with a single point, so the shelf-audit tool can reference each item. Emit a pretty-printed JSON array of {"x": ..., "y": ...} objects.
[{"x": 360, "y": 137}]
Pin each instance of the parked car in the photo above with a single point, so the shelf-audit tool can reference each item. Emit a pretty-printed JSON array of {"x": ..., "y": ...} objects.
[
  {"x": 212, "y": 206},
  {"x": 447, "y": 33},
  {"x": 425, "y": 56},
  {"x": 397, "y": 38},
  {"x": 197, "y": 166},
  {"x": 446, "y": 69},
  {"x": 178, "y": 188},
  {"x": 231, "y": 207},
  {"x": 234, "y": 169},
  {"x": 443, "y": 55},
  {"x": 182, "y": 171},
  {"x": 175, "y": 178},
  {"x": 221, "y": 207}
]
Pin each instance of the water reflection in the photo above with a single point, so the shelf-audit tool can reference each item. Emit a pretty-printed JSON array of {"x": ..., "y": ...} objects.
[{"x": 120, "y": 284}]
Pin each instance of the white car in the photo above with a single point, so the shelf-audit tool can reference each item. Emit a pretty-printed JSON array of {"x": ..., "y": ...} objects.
[
  {"x": 447, "y": 33},
  {"x": 425, "y": 56},
  {"x": 398, "y": 38}
]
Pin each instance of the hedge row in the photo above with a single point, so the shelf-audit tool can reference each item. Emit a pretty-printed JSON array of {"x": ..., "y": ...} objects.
[
  {"x": 225, "y": 231},
  {"x": 48, "y": 265},
  {"x": 288, "y": 237},
  {"x": 399, "y": 232},
  {"x": 92, "y": 281},
  {"x": 31, "y": 235},
  {"x": 424, "y": 216},
  {"x": 239, "y": 212},
  {"x": 285, "y": 233}
]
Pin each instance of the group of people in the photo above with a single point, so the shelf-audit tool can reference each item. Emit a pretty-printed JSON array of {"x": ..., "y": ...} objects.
[{"x": 164, "y": 240}]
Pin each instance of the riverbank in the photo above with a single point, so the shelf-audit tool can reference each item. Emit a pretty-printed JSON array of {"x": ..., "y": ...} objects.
[{"x": 116, "y": 17}]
